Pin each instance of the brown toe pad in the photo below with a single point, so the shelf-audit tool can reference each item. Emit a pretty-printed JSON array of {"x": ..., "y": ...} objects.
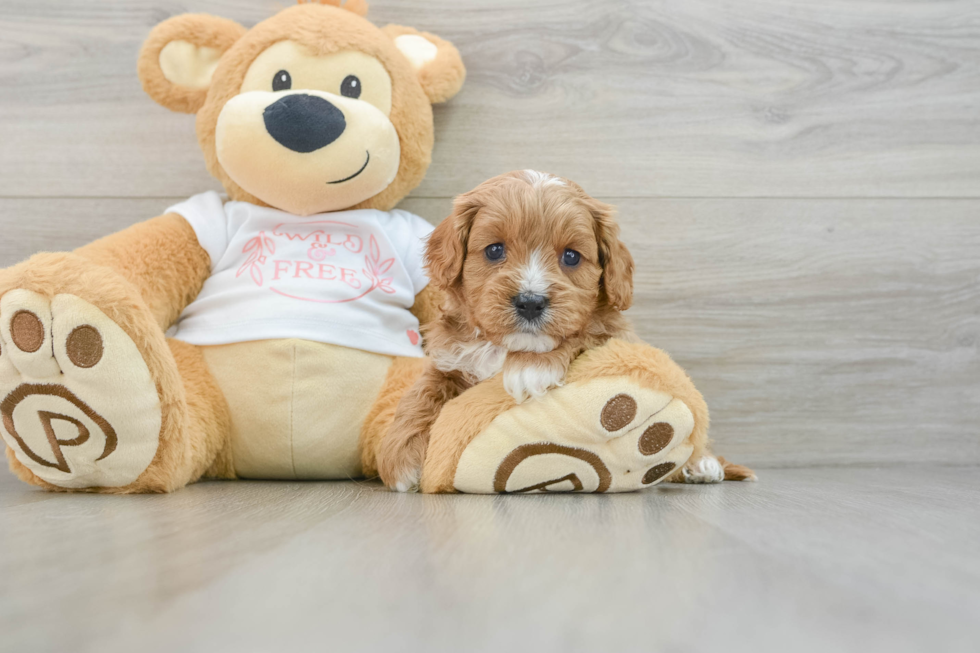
[
  {"x": 618, "y": 412},
  {"x": 26, "y": 331}
]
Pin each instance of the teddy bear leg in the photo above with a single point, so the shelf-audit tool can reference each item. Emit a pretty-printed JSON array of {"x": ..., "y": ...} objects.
[
  {"x": 207, "y": 429},
  {"x": 91, "y": 396},
  {"x": 627, "y": 417}
]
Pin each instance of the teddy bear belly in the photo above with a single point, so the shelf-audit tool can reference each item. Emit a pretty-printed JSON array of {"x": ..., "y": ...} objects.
[{"x": 297, "y": 406}]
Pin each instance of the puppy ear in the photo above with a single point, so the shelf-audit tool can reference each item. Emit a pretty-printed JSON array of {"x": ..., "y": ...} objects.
[
  {"x": 446, "y": 249},
  {"x": 180, "y": 55},
  {"x": 435, "y": 61},
  {"x": 616, "y": 260}
]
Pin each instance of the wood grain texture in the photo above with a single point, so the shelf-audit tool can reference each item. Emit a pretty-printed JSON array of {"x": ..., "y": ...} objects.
[
  {"x": 631, "y": 98},
  {"x": 820, "y": 331},
  {"x": 805, "y": 560}
]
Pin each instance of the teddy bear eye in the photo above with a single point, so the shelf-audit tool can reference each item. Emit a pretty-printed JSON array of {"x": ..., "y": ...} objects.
[
  {"x": 282, "y": 81},
  {"x": 571, "y": 258},
  {"x": 494, "y": 252},
  {"x": 351, "y": 87}
]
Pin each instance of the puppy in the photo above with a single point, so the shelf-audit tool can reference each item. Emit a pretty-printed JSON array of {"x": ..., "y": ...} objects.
[{"x": 534, "y": 274}]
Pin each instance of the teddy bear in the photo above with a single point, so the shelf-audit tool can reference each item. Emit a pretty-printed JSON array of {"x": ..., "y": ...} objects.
[{"x": 270, "y": 333}]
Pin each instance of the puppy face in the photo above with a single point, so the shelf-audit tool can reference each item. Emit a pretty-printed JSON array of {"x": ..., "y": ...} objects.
[{"x": 530, "y": 259}]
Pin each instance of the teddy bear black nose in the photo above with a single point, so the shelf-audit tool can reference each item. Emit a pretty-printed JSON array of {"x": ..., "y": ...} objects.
[{"x": 304, "y": 123}]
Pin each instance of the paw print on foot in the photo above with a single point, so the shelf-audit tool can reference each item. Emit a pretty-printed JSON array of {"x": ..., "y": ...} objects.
[
  {"x": 78, "y": 405},
  {"x": 605, "y": 435}
]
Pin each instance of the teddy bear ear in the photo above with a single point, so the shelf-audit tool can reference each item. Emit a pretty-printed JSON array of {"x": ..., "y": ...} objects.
[
  {"x": 359, "y": 7},
  {"x": 435, "y": 61},
  {"x": 179, "y": 57}
]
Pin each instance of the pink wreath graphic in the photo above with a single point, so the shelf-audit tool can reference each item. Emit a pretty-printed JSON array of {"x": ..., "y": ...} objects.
[
  {"x": 375, "y": 267},
  {"x": 258, "y": 250}
]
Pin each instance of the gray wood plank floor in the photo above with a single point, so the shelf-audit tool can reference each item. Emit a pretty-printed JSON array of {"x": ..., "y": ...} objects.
[
  {"x": 800, "y": 184},
  {"x": 805, "y": 560}
]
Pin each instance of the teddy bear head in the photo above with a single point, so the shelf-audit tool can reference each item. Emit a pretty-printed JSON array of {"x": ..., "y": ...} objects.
[{"x": 312, "y": 110}]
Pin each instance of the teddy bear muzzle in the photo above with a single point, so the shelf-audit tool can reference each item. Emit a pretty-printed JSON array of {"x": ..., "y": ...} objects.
[{"x": 307, "y": 151}]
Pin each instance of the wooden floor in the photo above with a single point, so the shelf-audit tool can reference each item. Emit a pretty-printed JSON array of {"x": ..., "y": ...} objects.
[
  {"x": 836, "y": 559},
  {"x": 799, "y": 182}
]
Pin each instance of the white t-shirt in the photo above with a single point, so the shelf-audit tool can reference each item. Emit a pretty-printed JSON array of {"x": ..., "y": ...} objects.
[{"x": 345, "y": 278}]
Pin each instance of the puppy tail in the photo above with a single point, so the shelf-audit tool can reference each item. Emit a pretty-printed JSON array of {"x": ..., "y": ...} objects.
[{"x": 735, "y": 472}]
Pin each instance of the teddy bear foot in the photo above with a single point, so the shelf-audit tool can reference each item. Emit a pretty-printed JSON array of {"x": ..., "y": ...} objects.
[
  {"x": 605, "y": 435},
  {"x": 78, "y": 404}
]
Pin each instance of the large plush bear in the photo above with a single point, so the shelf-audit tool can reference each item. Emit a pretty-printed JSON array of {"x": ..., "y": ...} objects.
[{"x": 293, "y": 306}]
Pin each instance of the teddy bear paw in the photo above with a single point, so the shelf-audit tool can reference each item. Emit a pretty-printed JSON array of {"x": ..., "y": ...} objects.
[
  {"x": 605, "y": 435},
  {"x": 78, "y": 405}
]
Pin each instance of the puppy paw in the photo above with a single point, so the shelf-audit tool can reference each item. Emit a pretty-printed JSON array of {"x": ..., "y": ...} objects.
[
  {"x": 407, "y": 480},
  {"x": 704, "y": 470},
  {"x": 533, "y": 380},
  {"x": 400, "y": 462},
  {"x": 402, "y": 476}
]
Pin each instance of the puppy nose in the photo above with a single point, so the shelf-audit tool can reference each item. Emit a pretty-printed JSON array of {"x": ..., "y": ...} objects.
[
  {"x": 304, "y": 123},
  {"x": 529, "y": 306}
]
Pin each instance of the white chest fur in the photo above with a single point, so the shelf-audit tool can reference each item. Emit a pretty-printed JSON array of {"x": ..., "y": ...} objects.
[{"x": 479, "y": 359}]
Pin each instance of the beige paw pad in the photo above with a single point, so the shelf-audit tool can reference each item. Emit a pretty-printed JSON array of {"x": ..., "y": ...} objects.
[
  {"x": 605, "y": 435},
  {"x": 78, "y": 406}
]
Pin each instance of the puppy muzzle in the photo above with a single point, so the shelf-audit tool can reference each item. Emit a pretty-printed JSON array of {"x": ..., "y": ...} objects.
[{"x": 530, "y": 309}]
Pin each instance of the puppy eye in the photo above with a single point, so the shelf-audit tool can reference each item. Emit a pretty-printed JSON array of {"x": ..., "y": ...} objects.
[
  {"x": 351, "y": 87},
  {"x": 494, "y": 252},
  {"x": 571, "y": 258},
  {"x": 282, "y": 81}
]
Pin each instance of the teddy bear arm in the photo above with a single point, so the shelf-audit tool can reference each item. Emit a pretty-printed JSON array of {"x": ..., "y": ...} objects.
[{"x": 161, "y": 257}]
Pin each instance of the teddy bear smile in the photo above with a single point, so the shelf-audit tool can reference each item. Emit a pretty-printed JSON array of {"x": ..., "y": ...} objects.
[{"x": 363, "y": 167}]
